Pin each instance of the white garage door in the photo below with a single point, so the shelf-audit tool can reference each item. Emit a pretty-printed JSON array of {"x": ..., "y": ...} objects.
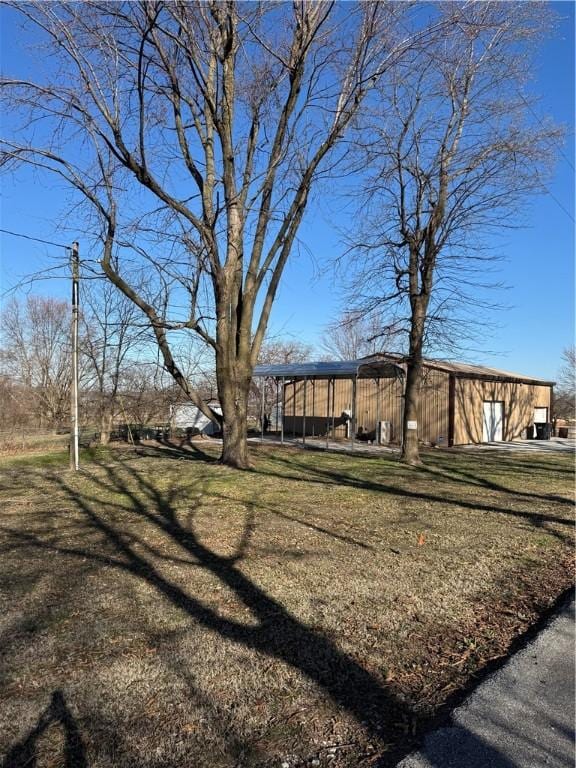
[{"x": 493, "y": 422}]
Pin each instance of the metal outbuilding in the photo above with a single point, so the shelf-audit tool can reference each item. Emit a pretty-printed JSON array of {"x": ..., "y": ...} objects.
[{"x": 363, "y": 399}]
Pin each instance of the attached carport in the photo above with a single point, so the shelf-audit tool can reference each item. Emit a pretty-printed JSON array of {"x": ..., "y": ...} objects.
[{"x": 329, "y": 372}]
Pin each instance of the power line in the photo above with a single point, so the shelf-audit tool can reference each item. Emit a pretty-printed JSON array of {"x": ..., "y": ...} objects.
[
  {"x": 558, "y": 203},
  {"x": 36, "y": 239},
  {"x": 539, "y": 119}
]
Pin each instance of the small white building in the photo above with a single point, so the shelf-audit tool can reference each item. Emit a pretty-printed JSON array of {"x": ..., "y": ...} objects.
[{"x": 189, "y": 417}]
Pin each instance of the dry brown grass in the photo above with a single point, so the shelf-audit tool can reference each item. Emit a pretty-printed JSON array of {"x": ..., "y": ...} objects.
[
  {"x": 19, "y": 441},
  {"x": 161, "y": 610}
]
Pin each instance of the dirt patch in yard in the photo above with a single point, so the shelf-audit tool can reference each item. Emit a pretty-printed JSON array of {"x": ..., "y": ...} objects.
[{"x": 159, "y": 609}]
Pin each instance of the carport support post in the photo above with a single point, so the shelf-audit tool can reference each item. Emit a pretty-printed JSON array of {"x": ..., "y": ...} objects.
[
  {"x": 403, "y": 409},
  {"x": 327, "y": 411},
  {"x": 276, "y": 419},
  {"x": 304, "y": 414},
  {"x": 283, "y": 409},
  {"x": 376, "y": 434},
  {"x": 353, "y": 419},
  {"x": 332, "y": 411},
  {"x": 294, "y": 382},
  {"x": 262, "y": 386},
  {"x": 313, "y": 382}
]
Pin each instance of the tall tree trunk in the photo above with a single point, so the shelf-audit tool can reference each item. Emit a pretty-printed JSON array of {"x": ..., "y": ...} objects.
[
  {"x": 410, "y": 449},
  {"x": 105, "y": 423},
  {"x": 233, "y": 393},
  {"x": 235, "y": 447}
]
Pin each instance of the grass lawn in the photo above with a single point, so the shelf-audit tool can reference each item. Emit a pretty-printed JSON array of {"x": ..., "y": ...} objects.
[{"x": 158, "y": 609}]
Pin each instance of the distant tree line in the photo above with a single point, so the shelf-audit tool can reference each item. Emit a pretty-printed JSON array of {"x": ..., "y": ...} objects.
[{"x": 120, "y": 379}]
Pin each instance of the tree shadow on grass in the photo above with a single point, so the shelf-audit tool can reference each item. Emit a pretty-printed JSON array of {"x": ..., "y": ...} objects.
[
  {"x": 24, "y": 753},
  {"x": 272, "y": 630},
  {"x": 316, "y": 475},
  {"x": 119, "y": 506},
  {"x": 184, "y": 448},
  {"x": 467, "y": 476},
  {"x": 506, "y": 462}
]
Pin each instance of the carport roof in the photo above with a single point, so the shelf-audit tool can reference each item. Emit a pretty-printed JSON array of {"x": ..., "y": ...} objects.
[{"x": 363, "y": 368}]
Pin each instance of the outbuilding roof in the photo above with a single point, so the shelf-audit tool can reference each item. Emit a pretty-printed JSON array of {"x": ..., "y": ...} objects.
[
  {"x": 467, "y": 370},
  {"x": 387, "y": 366}
]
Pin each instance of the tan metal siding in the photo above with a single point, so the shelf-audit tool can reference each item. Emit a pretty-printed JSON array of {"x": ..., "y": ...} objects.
[
  {"x": 371, "y": 406},
  {"x": 519, "y": 399},
  {"x": 433, "y": 409},
  {"x": 316, "y": 407},
  {"x": 519, "y": 403}
]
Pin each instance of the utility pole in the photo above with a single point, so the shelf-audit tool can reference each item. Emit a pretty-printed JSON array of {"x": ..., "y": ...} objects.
[{"x": 74, "y": 443}]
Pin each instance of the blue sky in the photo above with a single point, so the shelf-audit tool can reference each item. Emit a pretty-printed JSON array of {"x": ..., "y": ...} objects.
[
  {"x": 539, "y": 258},
  {"x": 539, "y": 265}
]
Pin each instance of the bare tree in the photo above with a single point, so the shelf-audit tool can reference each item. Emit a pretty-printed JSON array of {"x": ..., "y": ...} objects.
[
  {"x": 284, "y": 352},
  {"x": 15, "y": 400},
  {"x": 451, "y": 161},
  {"x": 195, "y": 131},
  {"x": 144, "y": 397},
  {"x": 112, "y": 336},
  {"x": 355, "y": 334},
  {"x": 278, "y": 352},
  {"x": 35, "y": 357},
  {"x": 567, "y": 380},
  {"x": 565, "y": 396}
]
